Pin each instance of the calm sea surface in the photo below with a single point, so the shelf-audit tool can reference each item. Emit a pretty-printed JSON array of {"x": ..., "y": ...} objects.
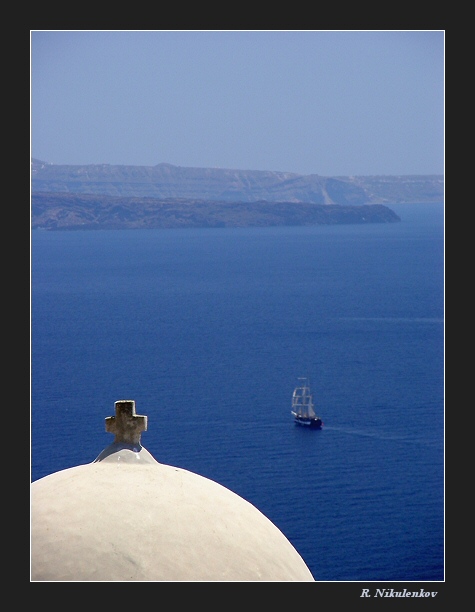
[{"x": 208, "y": 331}]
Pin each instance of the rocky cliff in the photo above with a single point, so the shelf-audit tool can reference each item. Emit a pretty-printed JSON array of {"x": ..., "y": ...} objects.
[
  {"x": 166, "y": 196},
  {"x": 167, "y": 181}
]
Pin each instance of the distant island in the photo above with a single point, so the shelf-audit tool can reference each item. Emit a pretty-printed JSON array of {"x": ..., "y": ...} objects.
[
  {"x": 165, "y": 196},
  {"x": 55, "y": 211}
]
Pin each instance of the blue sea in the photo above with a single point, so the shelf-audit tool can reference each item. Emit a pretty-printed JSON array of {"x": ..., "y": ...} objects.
[{"x": 208, "y": 330}]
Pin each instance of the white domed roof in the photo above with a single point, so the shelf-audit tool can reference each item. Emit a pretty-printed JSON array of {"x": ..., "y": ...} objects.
[{"x": 127, "y": 517}]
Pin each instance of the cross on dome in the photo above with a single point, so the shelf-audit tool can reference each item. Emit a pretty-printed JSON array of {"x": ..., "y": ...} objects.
[{"x": 126, "y": 425}]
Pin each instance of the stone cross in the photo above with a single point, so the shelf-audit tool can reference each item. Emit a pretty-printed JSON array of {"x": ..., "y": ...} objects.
[{"x": 126, "y": 425}]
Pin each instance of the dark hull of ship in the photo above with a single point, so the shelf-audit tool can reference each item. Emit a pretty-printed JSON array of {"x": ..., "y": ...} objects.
[{"x": 312, "y": 423}]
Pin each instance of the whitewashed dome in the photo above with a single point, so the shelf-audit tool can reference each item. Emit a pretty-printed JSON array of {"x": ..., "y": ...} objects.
[{"x": 126, "y": 517}]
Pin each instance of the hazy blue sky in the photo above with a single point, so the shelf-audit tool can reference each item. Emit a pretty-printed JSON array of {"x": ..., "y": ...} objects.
[{"x": 334, "y": 103}]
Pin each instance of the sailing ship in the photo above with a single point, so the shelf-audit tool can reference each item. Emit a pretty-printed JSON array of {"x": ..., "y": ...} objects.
[{"x": 303, "y": 409}]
